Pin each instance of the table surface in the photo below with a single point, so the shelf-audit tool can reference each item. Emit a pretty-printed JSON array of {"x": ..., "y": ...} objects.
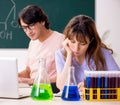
[{"x": 55, "y": 101}]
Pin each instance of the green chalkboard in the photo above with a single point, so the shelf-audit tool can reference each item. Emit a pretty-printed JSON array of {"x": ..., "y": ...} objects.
[{"x": 59, "y": 13}]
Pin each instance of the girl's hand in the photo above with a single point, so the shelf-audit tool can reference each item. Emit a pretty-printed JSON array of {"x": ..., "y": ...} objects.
[
  {"x": 66, "y": 46},
  {"x": 81, "y": 86}
]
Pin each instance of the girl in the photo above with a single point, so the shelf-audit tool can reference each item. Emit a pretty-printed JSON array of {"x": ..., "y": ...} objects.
[{"x": 83, "y": 49}]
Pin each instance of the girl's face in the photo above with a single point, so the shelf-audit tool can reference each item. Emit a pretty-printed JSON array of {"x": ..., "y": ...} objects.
[{"x": 79, "y": 48}]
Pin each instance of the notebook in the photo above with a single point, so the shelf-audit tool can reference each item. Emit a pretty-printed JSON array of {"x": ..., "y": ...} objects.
[{"x": 9, "y": 87}]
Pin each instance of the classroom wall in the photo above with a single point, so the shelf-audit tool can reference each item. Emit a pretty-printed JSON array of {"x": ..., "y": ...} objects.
[
  {"x": 107, "y": 17},
  {"x": 108, "y": 21}
]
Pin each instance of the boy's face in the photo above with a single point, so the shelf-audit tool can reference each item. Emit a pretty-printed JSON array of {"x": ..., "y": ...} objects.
[{"x": 33, "y": 31}]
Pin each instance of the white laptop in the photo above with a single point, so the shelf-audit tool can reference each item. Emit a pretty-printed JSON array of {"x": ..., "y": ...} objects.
[{"x": 9, "y": 87}]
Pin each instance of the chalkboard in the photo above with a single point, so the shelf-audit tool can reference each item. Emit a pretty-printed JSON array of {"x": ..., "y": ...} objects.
[{"x": 59, "y": 13}]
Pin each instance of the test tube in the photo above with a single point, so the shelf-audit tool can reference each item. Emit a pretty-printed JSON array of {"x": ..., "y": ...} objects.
[
  {"x": 99, "y": 77},
  {"x": 88, "y": 79},
  {"x": 119, "y": 80},
  {"x": 87, "y": 84}
]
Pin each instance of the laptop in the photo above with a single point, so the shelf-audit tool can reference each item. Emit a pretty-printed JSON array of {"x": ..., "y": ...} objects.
[{"x": 9, "y": 87}]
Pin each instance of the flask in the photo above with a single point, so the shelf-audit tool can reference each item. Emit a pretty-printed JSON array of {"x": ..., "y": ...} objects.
[
  {"x": 70, "y": 91},
  {"x": 41, "y": 89}
]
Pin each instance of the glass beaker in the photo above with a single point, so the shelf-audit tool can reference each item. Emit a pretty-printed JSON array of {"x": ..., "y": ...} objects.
[
  {"x": 41, "y": 89},
  {"x": 70, "y": 91}
]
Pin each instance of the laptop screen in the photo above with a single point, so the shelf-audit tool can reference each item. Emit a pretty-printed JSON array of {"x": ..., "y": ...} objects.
[{"x": 8, "y": 77}]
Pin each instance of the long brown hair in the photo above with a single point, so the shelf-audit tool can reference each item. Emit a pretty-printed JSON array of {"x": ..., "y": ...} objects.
[{"x": 83, "y": 26}]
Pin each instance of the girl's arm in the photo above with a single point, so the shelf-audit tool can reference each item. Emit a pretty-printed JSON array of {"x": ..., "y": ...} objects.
[{"x": 62, "y": 75}]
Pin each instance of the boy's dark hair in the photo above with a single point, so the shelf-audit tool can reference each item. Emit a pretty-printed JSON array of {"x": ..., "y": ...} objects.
[{"x": 33, "y": 14}]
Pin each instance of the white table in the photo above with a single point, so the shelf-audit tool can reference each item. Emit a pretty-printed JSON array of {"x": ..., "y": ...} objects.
[{"x": 55, "y": 101}]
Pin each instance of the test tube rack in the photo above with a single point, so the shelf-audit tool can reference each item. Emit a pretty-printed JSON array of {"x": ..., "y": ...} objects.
[{"x": 102, "y": 85}]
